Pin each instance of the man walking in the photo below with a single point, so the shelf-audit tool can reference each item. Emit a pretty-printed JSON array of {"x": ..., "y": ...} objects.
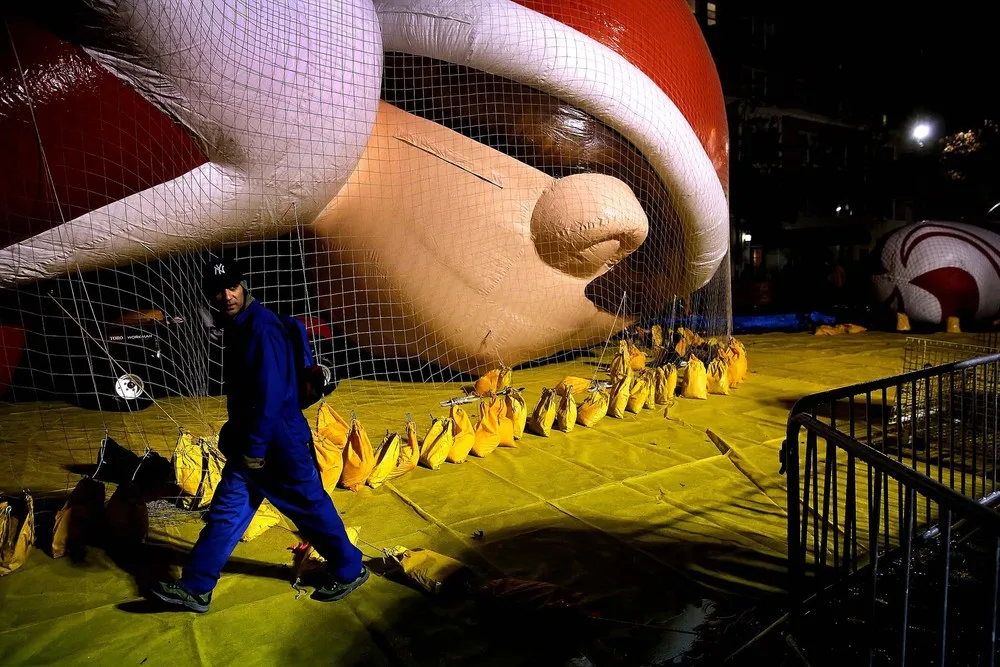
[{"x": 267, "y": 444}]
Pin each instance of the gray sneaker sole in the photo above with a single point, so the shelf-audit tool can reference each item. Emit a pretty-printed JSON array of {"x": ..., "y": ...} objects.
[
  {"x": 187, "y": 604},
  {"x": 342, "y": 593}
]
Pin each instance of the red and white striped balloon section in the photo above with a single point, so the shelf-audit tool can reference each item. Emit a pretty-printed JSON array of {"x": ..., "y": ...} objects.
[{"x": 936, "y": 270}]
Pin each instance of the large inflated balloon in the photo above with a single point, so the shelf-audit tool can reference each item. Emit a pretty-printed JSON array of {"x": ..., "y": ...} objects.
[
  {"x": 536, "y": 174},
  {"x": 256, "y": 116},
  {"x": 937, "y": 270}
]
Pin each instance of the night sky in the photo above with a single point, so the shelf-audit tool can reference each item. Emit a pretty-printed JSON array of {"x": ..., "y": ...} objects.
[
  {"x": 927, "y": 61},
  {"x": 941, "y": 60}
]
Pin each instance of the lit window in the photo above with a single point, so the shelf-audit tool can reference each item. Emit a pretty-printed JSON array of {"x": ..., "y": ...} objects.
[
  {"x": 757, "y": 257},
  {"x": 710, "y": 13}
]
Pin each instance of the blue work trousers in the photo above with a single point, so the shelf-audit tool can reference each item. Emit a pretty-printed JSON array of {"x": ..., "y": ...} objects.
[{"x": 290, "y": 481}]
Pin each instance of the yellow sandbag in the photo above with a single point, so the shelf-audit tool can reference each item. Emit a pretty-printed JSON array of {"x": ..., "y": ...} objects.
[
  {"x": 657, "y": 334},
  {"x": 853, "y": 328},
  {"x": 504, "y": 379},
  {"x": 437, "y": 444},
  {"x": 593, "y": 408},
  {"x": 332, "y": 426},
  {"x": 488, "y": 429},
  {"x": 506, "y": 429},
  {"x": 127, "y": 518},
  {"x": 386, "y": 458},
  {"x": 214, "y": 461},
  {"x": 681, "y": 347},
  {"x": 718, "y": 377},
  {"x": 695, "y": 379},
  {"x": 692, "y": 338},
  {"x": 735, "y": 364},
  {"x": 17, "y": 534},
  {"x": 329, "y": 443},
  {"x": 732, "y": 372},
  {"x": 659, "y": 392},
  {"x": 517, "y": 412},
  {"x": 566, "y": 413},
  {"x": 409, "y": 451},
  {"x": 187, "y": 462},
  {"x": 738, "y": 361},
  {"x": 359, "y": 458},
  {"x": 576, "y": 385},
  {"x": 544, "y": 414},
  {"x": 329, "y": 460},
  {"x": 198, "y": 468},
  {"x": 621, "y": 363},
  {"x": 826, "y": 330},
  {"x": 494, "y": 381},
  {"x": 78, "y": 521},
  {"x": 487, "y": 384},
  {"x": 267, "y": 516},
  {"x": 428, "y": 569},
  {"x": 638, "y": 393},
  {"x": 637, "y": 359},
  {"x": 651, "y": 395},
  {"x": 618, "y": 399},
  {"x": 671, "y": 388},
  {"x": 902, "y": 322},
  {"x": 463, "y": 435}
]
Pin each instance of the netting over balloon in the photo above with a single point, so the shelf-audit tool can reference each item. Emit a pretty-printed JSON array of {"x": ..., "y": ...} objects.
[{"x": 435, "y": 188}]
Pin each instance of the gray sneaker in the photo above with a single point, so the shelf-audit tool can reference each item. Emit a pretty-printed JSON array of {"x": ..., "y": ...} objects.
[
  {"x": 332, "y": 590},
  {"x": 172, "y": 592}
]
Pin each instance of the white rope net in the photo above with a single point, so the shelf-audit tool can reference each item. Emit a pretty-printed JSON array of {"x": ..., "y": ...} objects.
[{"x": 434, "y": 187}]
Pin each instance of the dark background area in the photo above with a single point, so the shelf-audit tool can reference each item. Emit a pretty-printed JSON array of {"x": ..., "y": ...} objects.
[{"x": 822, "y": 98}]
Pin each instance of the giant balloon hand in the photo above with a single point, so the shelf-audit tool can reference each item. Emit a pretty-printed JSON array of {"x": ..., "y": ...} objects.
[{"x": 530, "y": 164}]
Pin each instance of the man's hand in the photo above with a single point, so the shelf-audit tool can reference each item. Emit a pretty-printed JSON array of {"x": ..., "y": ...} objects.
[{"x": 252, "y": 463}]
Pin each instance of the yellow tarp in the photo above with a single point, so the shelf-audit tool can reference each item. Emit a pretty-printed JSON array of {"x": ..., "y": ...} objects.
[{"x": 631, "y": 514}]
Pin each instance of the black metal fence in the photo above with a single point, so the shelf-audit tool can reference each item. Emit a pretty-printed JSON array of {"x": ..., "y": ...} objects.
[
  {"x": 919, "y": 353},
  {"x": 894, "y": 552}
]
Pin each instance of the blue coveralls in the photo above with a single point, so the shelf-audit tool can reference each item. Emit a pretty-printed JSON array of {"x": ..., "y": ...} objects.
[{"x": 265, "y": 422}]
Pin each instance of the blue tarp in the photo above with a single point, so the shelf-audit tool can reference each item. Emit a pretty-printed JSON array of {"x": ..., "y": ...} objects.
[
  {"x": 790, "y": 322},
  {"x": 744, "y": 324}
]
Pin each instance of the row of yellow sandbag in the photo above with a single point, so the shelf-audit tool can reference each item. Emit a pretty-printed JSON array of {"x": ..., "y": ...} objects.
[
  {"x": 84, "y": 519},
  {"x": 840, "y": 329},
  {"x": 683, "y": 339},
  {"x": 346, "y": 458},
  {"x": 632, "y": 392},
  {"x": 725, "y": 371},
  {"x": 656, "y": 337}
]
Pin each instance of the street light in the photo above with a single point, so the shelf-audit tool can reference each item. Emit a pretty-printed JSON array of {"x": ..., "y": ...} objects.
[{"x": 921, "y": 131}]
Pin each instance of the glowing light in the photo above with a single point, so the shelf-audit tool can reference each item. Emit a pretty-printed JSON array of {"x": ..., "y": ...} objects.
[{"x": 921, "y": 131}]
